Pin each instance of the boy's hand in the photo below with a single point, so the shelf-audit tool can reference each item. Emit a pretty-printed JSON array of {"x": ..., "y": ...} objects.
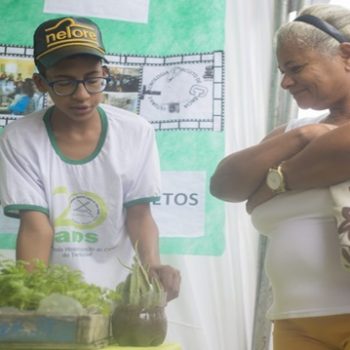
[{"x": 170, "y": 279}]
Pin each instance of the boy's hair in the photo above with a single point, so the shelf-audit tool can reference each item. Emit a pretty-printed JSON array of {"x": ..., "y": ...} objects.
[{"x": 63, "y": 37}]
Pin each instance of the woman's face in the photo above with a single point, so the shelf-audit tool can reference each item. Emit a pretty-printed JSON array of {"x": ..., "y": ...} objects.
[{"x": 315, "y": 80}]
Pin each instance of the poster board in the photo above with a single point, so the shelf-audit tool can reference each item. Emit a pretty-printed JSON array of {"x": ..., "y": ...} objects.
[{"x": 178, "y": 88}]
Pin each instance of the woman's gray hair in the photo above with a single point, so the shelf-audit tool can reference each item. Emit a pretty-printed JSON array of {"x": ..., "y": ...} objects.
[{"x": 308, "y": 36}]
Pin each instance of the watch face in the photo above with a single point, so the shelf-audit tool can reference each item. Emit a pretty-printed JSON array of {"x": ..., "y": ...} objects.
[{"x": 273, "y": 179}]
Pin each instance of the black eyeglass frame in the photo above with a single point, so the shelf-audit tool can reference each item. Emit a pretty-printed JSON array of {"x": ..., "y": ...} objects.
[{"x": 51, "y": 84}]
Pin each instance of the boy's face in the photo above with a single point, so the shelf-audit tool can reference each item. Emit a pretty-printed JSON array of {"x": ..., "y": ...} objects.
[{"x": 81, "y": 105}]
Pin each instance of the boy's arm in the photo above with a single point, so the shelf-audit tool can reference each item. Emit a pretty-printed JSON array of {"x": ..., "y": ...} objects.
[
  {"x": 143, "y": 230},
  {"x": 34, "y": 239}
]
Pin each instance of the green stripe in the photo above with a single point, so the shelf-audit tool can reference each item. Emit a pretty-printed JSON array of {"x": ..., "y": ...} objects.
[
  {"x": 14, "y": 209},
  {"x": 7, "y": 241}
]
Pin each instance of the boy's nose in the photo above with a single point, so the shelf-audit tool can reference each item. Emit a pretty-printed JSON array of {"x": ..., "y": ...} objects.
[{"x": 80, "y": 91}]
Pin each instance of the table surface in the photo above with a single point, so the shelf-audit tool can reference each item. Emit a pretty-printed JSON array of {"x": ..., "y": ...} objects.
[{"x": 168, "y": 346}]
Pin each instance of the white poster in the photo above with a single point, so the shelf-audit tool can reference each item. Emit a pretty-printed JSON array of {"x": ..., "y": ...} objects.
[
  {"x": 180, "y": 210},
  {"x": 123, "y": 10}
]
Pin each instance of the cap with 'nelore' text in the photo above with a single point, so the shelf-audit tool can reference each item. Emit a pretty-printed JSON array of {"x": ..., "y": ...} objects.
[{"x": 60, "y": 38}]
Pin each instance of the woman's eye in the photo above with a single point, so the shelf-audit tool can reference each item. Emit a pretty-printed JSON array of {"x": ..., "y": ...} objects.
[{"x": 296, "y": 69}]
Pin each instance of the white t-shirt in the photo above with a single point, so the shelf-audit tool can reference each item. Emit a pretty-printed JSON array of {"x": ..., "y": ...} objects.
[
  {"x": 341, "y": 198},
  {"x": 303, "y": 253},
  {"x": 85, "y": 200}
]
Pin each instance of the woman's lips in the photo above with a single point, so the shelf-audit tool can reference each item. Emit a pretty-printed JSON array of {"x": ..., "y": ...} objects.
[{"x": 298, "y": 92}]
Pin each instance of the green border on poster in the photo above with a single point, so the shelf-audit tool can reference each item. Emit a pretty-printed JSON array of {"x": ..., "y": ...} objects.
[{"x": 7, "y": 241}]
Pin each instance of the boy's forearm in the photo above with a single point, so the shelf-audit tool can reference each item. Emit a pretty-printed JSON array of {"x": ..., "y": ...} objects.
[
  {"x": 34, "y": 239},
  {"x": 143, "y": 233},
  {"x": 148, "y": 248}
]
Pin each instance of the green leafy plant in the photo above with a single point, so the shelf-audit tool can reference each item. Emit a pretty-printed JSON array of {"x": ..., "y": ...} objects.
[
  {"x": 24, "y": 290},
  {"x": 140, "y": 288}
]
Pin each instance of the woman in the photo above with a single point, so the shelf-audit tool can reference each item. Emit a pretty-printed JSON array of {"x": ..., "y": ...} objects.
[{"x": 286, "y": 184}]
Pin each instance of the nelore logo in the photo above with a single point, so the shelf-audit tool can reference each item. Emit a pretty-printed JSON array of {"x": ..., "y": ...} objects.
[{"x": 67, "y": 31}]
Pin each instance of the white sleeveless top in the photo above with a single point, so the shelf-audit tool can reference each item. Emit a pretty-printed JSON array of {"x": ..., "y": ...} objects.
[{"x": 303, "y": 253}]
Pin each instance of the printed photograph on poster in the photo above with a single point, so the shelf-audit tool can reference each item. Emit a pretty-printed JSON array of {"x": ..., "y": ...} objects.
[
  {"x": 18, "y": 94},
  {"x": 123, "y": 88}
]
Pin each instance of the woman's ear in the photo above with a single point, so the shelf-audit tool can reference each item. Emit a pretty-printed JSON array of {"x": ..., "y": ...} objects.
[
  {"x": 345, "y": 54},
  {"x": 40, "y": 83}
]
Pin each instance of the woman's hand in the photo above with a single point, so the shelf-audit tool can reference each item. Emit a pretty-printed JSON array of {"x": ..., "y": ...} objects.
[
  {"x": 310, "y": 132},
  {"x": 261, "y": 195}
]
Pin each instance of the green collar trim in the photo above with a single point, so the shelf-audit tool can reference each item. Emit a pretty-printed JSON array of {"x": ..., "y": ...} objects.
[{"x": 104, "y": 127}]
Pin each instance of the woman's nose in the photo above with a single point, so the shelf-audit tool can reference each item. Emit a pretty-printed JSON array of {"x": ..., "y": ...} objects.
[{"x": 286, "y": 81}]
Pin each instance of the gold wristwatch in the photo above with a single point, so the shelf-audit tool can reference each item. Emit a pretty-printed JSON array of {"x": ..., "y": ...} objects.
[{"x": 275, "y": 180}]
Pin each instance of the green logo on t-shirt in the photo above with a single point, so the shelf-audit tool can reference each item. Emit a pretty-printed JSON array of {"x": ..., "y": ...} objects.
[{"x": 85, "y": 210}]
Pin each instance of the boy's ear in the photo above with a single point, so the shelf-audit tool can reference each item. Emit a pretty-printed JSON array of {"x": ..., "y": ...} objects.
[
  {"x": 105, "y": 70},
  {"x": 40, "y": 83}
]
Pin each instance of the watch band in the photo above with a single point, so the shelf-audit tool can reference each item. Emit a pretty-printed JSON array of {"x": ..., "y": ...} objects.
[{"x": 283, "y": 187}]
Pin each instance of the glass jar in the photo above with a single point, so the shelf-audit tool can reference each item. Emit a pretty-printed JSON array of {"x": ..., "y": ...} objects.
[{"x": 137, "y": 326}]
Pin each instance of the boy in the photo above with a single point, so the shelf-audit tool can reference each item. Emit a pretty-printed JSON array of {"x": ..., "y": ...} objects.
[{"x": 81, "y": 176}]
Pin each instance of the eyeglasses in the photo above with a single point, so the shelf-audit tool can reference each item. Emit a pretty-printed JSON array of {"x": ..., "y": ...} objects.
[{"x": 67, "y": 87}]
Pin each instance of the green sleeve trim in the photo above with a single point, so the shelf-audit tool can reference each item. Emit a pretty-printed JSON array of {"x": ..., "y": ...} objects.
[
  {"x": 13, "y": 210},
  {"x": 141, "y": 201}
]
